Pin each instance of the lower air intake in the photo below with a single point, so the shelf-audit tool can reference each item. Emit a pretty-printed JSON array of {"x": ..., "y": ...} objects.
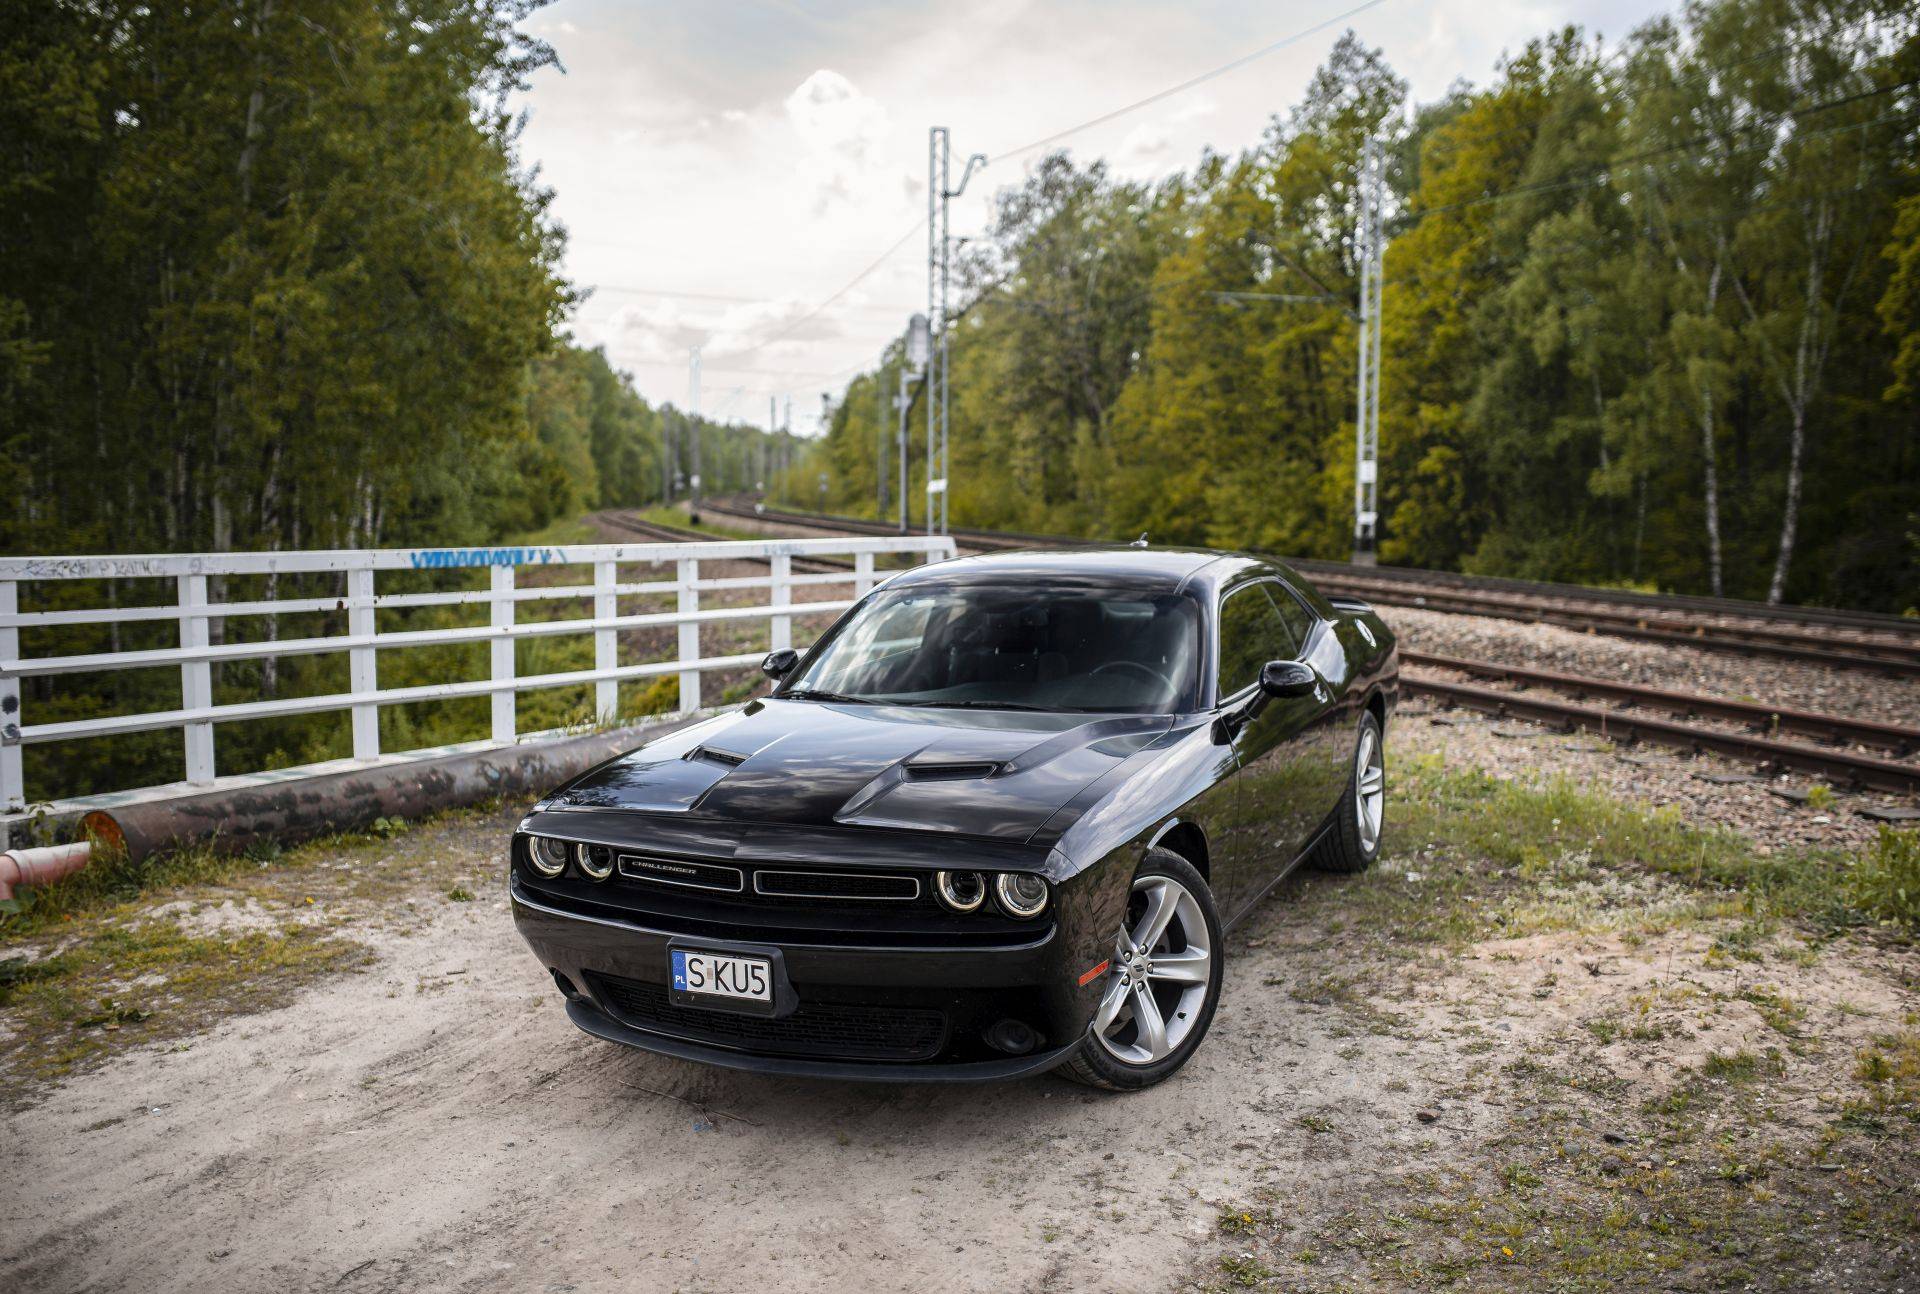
[{"x": 818, "y": 1029}]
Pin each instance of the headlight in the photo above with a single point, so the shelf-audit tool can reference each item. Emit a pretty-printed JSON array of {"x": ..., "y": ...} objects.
[
  {"x": 1021, "y": 894},
  {"x": 548, "y": 856},
  {"x": 594, "y": 861},
  {"x": 960, "y": 891}
]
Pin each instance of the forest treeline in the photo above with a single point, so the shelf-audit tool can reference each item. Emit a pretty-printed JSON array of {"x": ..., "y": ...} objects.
[
  {"x": 1652, "y": 316},
  {"x": 275, "y": 277}
]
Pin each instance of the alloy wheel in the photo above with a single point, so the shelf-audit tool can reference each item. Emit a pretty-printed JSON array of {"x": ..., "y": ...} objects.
[
  {"x": 1370, "y": 788},
  {"x": 1162, "y": 974}
]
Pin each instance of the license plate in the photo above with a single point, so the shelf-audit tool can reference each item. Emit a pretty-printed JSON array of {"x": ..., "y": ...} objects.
[{"x": 742, "y": 979}]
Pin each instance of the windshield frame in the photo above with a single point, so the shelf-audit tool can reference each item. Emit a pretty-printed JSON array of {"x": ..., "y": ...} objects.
[{"x": 1198, "y": 684}]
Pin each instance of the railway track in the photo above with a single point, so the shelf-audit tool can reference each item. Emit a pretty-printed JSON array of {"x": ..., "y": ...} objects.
[
  {"x": 1843, "y": 768},
  {"x": 1611, "y": 708},
  {"x": 1757, "y": 739},
  {"x": 1882, "y": 654},
  {"x": 657, "y": 533},
  {"x": 1853, "y": 641}
]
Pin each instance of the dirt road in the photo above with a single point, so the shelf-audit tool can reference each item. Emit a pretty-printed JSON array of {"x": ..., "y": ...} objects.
[
  {"x": 1408, "y": 1073},
  {"x": 437, "y": 1123}
]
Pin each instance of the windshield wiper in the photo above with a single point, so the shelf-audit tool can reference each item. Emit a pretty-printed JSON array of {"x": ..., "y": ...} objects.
[
  {"x": 979, "y": 705},
  {"x": 818, "y": 694}
]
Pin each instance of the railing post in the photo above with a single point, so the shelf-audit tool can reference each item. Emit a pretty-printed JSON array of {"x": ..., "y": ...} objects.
[
  {"x": 504, "y": 723},
  {"x": 862, "y": 574},
  {"x": 363, "y": 665},
  {"x": 196, "y": 678},
  {"x": 606, "y": 642},
  {"x": 781, "y": 594},
  {"x": 689, "y": 636},
  {"x": 13, "y": 782}
]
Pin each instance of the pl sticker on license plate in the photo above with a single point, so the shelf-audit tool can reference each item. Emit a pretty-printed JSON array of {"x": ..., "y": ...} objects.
[{"x": 718, "y": 975}]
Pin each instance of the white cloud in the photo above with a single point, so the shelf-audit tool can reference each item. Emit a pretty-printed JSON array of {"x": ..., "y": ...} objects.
[
  {"x": 775, "y": 156},
  {"x": 844, "y": 130}
]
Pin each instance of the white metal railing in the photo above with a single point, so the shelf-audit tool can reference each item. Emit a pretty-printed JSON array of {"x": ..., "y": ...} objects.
[{"x": 197, "y": 652}]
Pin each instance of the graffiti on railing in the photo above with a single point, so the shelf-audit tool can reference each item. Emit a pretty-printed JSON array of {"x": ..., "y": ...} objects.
[{"x": 429, "y": 559}]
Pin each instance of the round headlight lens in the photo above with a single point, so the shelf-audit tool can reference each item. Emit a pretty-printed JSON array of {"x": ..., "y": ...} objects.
[
  {"x": 960, "y": 891},
  {"x": 594, "y": 861},
  {"x": 548, "y": 856},
  {"x": 1021, "y": 894}
]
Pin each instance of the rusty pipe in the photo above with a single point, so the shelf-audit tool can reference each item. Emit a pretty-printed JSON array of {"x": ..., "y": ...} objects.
[
  {"x": 228, "y": 821},
  {"x": 40, "y": 866}
]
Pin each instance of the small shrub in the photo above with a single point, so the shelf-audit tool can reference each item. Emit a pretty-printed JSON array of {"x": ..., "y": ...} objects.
[{"x": 1885, "y": 883}]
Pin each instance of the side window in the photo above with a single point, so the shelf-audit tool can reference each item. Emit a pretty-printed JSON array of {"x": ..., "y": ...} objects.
[
  {"x": 1251, "y": 634},
  {"x": 1300, "y": 621}
]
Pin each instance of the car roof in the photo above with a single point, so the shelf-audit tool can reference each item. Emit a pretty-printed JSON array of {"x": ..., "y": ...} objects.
[{"x": 1169, "y": 570}]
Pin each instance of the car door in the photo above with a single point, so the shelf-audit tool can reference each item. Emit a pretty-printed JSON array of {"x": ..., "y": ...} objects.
[
  {"x": 1273, "y": 805},
  {"x": 1327, "y": 744}
]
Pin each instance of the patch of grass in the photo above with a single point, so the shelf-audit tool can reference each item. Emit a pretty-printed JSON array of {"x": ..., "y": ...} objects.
[
  {"x": 111, "y": 881},
  {"x": 1885, "y": 883},
  {"x": 1781, "y": 1012},
  {"x": 152, "y": 980},
  {"x": 1742, "y": 1066},
  {"x": 1890, "y": 1070},
  {"x": 1559, "y": 856},
  {"x": 460, "y": 894},
  {"x": 1246, "y": 1271}
]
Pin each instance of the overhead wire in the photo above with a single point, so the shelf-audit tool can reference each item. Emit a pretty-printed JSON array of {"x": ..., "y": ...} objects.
[{"x": 1189, "y": 83}]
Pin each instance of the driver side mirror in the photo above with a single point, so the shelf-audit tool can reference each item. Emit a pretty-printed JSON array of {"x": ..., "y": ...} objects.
[
  {"x": 779, "y": 664},
  {"x": 1280, "y": 679}
]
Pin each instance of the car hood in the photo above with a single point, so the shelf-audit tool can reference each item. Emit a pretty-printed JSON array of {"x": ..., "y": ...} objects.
[{"x": 997, "y": 774}]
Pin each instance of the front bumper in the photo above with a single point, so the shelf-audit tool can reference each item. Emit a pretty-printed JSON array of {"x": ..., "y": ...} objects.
[
  {"x": 869, "y": 1013},
  {"x": 601, "y": 1025}
]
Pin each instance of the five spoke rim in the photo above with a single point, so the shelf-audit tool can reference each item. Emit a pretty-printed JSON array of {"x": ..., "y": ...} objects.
[
  {"x": 1370, "y": 788},
  {"x": 1162, "y": 973}
]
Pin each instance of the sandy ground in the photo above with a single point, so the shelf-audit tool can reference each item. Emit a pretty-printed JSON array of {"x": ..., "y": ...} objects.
[{"x": 437, "y": 1123}]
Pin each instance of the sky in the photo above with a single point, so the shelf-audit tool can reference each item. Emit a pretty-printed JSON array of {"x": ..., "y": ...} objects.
[{"x": 724, "y": 167}]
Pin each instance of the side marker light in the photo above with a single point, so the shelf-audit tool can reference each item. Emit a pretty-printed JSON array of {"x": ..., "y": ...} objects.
[{"x": 1096, "y": 973}]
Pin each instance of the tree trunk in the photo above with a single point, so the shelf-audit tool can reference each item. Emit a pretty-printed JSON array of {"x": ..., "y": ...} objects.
[
  {"x": 1790, "y": 518},
  {"x": 1710, "y": 457}
]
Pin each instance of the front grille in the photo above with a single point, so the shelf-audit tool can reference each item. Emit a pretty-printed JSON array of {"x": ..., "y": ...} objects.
[
  {"x": 836, "y": 885},
  {"x": 820, "y": 1029},
  {"x": 676, "y": 871}
]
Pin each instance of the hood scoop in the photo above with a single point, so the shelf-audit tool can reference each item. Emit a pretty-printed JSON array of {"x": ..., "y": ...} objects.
[
  {"x": 950, "y": 770},
  {"x": 714, "y": 755}
]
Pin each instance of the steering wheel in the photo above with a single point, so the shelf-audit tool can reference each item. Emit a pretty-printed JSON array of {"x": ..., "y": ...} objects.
[{"x": 1154, "y": 676}]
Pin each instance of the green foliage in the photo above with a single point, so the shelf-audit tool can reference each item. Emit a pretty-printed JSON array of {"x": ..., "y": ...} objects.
[
  {"x": 1645, "y": 316},
  {"x": 1885, "y": 883},
  {"x": 277, "y": 278}
]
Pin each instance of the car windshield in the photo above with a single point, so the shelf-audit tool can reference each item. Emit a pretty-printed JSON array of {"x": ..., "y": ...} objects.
[{"x": 1029, "y": 647}]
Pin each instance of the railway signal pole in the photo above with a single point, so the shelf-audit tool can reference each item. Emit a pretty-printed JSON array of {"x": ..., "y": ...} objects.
[
  {"x": 1366, "y": 467},
  {"x": 939, "y": 271},
  {"x": 693, "y": 415}
]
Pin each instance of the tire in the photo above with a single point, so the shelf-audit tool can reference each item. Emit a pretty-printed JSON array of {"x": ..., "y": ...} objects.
[
  {"x": 1123, "y": 1058},
  {"x": 1349, "y": 845}
]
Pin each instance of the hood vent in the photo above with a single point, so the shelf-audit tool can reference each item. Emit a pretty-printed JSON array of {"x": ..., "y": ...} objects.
[
  {"x": 951, "y": 770},
  {"x": 711, "y": 755}
]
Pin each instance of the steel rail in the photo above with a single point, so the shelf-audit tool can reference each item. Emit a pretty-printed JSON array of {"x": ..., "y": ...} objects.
[
  {"x": 1897, "y": 739},
  {"x": 1597, "y": 613},
  {"x": 1844, "y": 767},
  {"x": 1400, "y": 589},
  {"x": 1762, "y": 612},
  {"x": 1579, "y": 621}
]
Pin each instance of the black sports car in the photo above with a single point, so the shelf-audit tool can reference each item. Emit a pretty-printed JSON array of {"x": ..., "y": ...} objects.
[{"x": 995, "y": 821}]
